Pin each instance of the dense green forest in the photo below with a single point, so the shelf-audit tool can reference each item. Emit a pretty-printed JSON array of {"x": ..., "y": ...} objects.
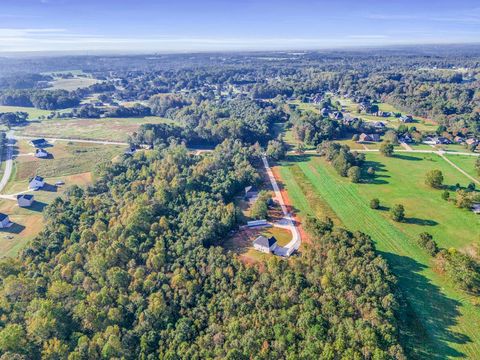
[{"x": 133, "y": 267}]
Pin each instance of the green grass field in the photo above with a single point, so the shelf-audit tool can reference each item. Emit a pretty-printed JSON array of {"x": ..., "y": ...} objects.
[
  {"x": 108, "y": 129},
  {"x": 67, "y": 159},
  {"x": 33, "y": 113},
  {"x": 466, "y": 162},
  {"x": 444, "y": 320}
]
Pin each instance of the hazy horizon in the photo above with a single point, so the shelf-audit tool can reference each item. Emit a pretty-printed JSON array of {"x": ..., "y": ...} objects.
[{"x": 147, "y": 26}]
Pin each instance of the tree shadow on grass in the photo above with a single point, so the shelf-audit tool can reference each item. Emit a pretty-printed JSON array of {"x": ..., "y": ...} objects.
[
  {"x": 422, "y": 222},
  {"x": 406, "y": 157},
  {"x": 37, "y": 206},
  {"x": 427, "y": 313},
  {"x": 49, "y": 188}
]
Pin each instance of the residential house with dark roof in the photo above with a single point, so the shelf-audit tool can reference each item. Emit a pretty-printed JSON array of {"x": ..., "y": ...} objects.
[
  {"x": 41, "y": 153},
  {"x": 25, "y": 200},
  {"x": 264, "y": 244},
  {"x": 37, "y": 143},
  {"x": 406, "y": 118},
  {"x": 5, "y": 221},
  {"x": 36, "y": 183},
  {"x": 369, "y": 138}
]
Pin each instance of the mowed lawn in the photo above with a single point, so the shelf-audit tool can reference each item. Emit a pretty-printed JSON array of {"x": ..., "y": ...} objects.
[
  {"x": 444, "y": 321},
  {"x": 466, "y": 162},
  {"x": 108, "y": 129}
]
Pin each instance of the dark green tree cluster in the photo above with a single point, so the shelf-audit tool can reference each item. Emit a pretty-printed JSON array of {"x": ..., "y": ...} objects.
[
  {"x": 130, "y": 268},
  {"x": 345, "y": 162}
]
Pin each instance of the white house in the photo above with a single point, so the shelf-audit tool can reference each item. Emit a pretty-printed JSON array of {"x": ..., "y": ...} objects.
[
  {"x": 36, "y": 183},
  {"x": 25, "y": 200},
  {"x": 266, "y": 245},
  {"x": 40, "y": 153},
  {"x": 4, "y": 221}
]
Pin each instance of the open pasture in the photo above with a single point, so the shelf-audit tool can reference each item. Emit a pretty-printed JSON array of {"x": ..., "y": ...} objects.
[{"x": 447, "y": 317}]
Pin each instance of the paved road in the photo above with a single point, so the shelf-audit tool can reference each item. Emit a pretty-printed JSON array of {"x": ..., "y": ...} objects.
[
  {"x": 8, "y": 162},
  {"x": 52, "y": 140},
  {"x": 293, "y": 152},
  {"x": 287, "y": 222}
]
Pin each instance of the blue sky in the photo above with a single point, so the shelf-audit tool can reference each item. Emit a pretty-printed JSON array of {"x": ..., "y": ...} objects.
[{"x": 187, "y": 25}]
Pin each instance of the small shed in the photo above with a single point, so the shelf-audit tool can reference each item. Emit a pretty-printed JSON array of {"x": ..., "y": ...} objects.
[
  {"x": 25, "y": 200},
  {"x": 264, "y": 244}
]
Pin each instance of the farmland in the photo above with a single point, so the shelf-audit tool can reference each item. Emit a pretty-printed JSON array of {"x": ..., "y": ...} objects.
[
  {"x": 108, "y": 129},
  {"x": 447, "y": 318}
]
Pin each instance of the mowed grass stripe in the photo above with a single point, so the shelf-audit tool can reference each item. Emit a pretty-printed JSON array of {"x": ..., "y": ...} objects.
[
  {"x": 304, "y": 196},
  {"x": 433, "y": 299}
]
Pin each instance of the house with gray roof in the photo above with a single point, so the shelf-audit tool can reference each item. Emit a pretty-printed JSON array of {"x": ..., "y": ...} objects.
[
  {"x": 5, "y": 221},
  {"x": 264, "y": 244}
]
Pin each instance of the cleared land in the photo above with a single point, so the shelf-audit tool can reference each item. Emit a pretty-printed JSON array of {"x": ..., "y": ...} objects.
[
  {"x": 108, "y": 129},
  {"x": 446, "y": 318},
  {"x": 71, "y": 162},
  {"x": 28, "y": 222},
  {"x": 71, "y": 84},
  {"x": 67, "y": 159},
  {"x": 242, "y": 242}
]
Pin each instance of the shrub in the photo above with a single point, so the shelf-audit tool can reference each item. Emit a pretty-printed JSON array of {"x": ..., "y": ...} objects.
[
  {"x": 462, "y": 269},
  {"x": 354, "y": 174},
  {"x": 386, "y": 149},
  {"x": 445, "y": 195},
  {"x": 426, "y": 241},
  {"x": 260, "y": 207},
  {"x": 434, "y": 179},
  {"x": 397, "y": 212},
  {"x": 374, "y": 203}
]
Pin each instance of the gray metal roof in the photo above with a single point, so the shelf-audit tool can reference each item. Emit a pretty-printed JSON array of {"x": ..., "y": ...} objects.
[{"x": 265, "y": 242}]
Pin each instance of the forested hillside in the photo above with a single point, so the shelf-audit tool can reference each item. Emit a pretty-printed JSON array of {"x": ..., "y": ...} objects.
[{"x": 131, "y": 268}]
